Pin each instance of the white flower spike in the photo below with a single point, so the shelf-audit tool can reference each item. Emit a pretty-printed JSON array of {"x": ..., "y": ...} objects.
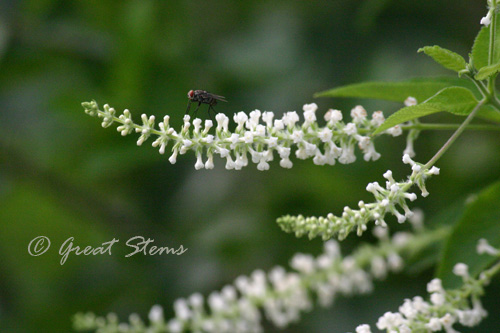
[{"x": 325, "y": 145}]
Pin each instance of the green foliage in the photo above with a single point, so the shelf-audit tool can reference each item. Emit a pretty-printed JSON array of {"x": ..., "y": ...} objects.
[
  {"x": 480, "y": 220},
  {"x": 444, "y": 57},
  {"x": 456, "y": 100},
  {"x": 479, "y": 53},
  {"x": 487, "y": 71},
  {"x": 419, "y": 88},
  {"x": 480, "y": 49}
]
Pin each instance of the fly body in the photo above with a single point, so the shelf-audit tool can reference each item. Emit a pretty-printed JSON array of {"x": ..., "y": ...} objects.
[{"x": 203, "y": 97}]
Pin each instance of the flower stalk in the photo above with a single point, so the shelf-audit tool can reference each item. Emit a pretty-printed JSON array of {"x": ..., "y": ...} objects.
[
  {"x": 258, "y": 135},
  {"x": 445, "y": 308},
  {"x": 388, "y": 200},
  {"x": 278, "y": 295}
]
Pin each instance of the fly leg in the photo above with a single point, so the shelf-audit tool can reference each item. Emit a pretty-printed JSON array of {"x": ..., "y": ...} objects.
[
  {"x": 194, "y": 114},
  {"x": 210, "y": 107},
  {"x": 188, "y": 107}
]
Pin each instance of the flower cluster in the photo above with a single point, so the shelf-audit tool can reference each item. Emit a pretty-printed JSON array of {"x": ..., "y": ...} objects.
[
  {"x": 258, "y": 136},
  {"x": 388, "y": 199},
  {"x": 444, "y": 308},
  {"x": 279, "y": 296}
]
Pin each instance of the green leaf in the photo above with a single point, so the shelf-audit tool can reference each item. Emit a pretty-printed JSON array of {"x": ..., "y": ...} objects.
[
  {"x": 487, "y": 71},
  {"x": 456, "y": 100},
  {"x": 420, "y": 88},
  {"x": 408, "y": 113},
  {"x": 445, "y": 58},
  {"x": 480, "y": 220},
  {"x": 487, "y": 112},
  {"x": 480, "y": 48}
]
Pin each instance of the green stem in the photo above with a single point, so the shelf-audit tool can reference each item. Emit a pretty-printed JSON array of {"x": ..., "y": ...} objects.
[
  {"x": 494, "y": 101},
  {"x": 492, "y": 271},
  {"x": 118, "y": 120},
  {"x": 491, "y": 50},
  {"x": 455, "y": 135},
  {"x": 479, "y": 85},
  {"x": 447, "y": 127}
]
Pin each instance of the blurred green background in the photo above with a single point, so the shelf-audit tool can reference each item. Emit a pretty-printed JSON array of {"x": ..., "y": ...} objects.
[{"x": 62, "y": 175}]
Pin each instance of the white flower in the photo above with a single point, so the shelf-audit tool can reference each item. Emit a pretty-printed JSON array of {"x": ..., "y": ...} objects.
[
  {"x": 438, "y": 298},
  {"x": 267, "y": 117},
  {"x": 310, "y": 113},
  {"x": 222, "y": 121},
  {"x": 290, "y": 118},
  {"x": 486, "y": 21},
  {"x": 408, "y": 309},
  {"x": 172, "y": 159},
  {"x": 390, "y": 320},
  {"x": 395, "y": 262},
  {"x": 302, "y": 263},
  {"x": 378, "y": 231},
  {"x": 363, "y": 329},
  {"x": 377, "y": 118},
  {"x": 395, "y": 131},
  {"x": 248, "y": 137},
  {"x": 199, "y": 163},
  {"x": 325, "y": 134},
  {"x": 448, "y": 320},
  {"x": 484, "y": 247},
  {"x": 175, "y": 326},
  {"x": 297, "y": 136},
  {"x": 333, "y": 116},
  {"x": 404, "y": 329},
  {"x": 196, "y": 300},
  {"x": 350, "y": 129},
  {"x": 347, "y": 156},
  {"x": 435, "y": 286},
  {"x": 461, "y": 269},
  {"x": 181, "y": 309},
  {"x": 240, "y": 118},
  {"x": 253, "y": 120},
  {"x": 378, "y": 267},
  {"x": 216, "y": 302},
  {"x": 434, "y": 324},
  {"x": 358, "y": 114},
  {"x": 156, "y": 314},
  {"x": 410, "y": 101},
  {"x": 209, "y": 164}
]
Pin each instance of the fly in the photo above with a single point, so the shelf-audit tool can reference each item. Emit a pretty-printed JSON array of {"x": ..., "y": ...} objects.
[{"x": 203, "y": 97}]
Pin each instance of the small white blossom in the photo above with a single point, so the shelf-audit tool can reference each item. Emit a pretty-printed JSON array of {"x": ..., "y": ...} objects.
[
  {"x": 156, "y": 314},
  {"x": 310, "y": 113},
  {"x": 379, "y": 267},
  {"x": 484, "y": 247},
  {"x": 410, "y": 101},
  {"x": 377, "y": 118},
  {"x": 435, "y": 286},
  {"x": 395, "y": 131},
  {"x": 438, "y": 298},
  {"x": 434, "y": 324},
  {"x": 363, "y": 329},
  {"x": 350, "y": 129},
  {"x": 486, "y": 20},
  {"x": 461, "y": 270}
]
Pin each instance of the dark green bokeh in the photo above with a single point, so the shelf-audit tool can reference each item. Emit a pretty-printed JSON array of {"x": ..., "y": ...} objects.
[{"x": 62, "y": 175}]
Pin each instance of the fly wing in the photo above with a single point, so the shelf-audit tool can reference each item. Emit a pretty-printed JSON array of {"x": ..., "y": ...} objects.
[{"x": 219, "y": 98}]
